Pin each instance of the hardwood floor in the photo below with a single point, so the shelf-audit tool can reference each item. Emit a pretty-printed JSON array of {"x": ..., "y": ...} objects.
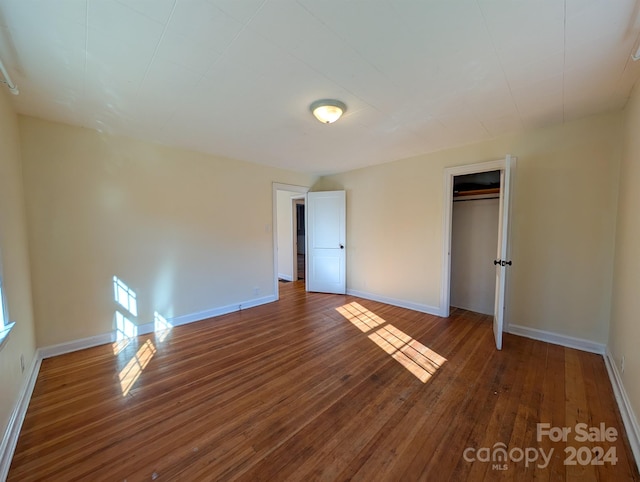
[{"x": 317, "y": 387}]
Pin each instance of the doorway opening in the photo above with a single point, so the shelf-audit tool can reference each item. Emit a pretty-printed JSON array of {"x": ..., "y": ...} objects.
[
  {"x": 286, "y": 224},
  {"x": 474, "y": 237},
  {"x": 502, "y": 259},
  {"x": 299, "y": 240}
]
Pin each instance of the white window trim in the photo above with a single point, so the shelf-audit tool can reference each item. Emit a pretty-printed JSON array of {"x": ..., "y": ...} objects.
[
  {"x": 4, "y": 333},
  {"x": 5, "y": 325}
]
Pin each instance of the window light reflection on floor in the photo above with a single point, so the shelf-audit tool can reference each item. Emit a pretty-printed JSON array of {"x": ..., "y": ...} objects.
[
  {"x": 420, "y": 360},
  {"x": 413, "y": 355},
  {"x": 357, "y": 314},
  {"x": 132, "y": 371},
  {"x": 125, "y": 331},
  {"x": 161, "y": 326}
]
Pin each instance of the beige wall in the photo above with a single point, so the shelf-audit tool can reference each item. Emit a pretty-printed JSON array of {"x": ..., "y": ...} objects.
[
  {"x": 15, "y": 264},
  {"x": 564, "y": 211},
  {"x": 187, "y": 232},
  {"x": 624, "y": 332}
]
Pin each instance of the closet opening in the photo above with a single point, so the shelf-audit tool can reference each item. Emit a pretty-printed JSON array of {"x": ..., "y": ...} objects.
[{"x": 475, "y": 228}]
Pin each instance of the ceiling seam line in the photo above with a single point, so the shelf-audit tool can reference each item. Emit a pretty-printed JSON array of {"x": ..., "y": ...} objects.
[
  {"x": 506, "y": 79},
  {"x": 155, "y": 50},
  {"x": 338, "y": 84},
  {"x": 337, "y": 34},
  {"x": 217, "y": 60},
  {"x": 233, "y": 40},
  {"x": 360, "y": 55},
  {"x": 166, "y": 124}
]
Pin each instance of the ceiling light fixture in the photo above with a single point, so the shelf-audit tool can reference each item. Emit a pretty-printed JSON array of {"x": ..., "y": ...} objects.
[
  {"x": 328, "y": 111},
  {"x": 636, "y": 56},
  {"x": 13, "y": 88}
]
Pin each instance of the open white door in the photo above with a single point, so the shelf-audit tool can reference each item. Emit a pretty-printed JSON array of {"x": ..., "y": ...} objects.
[
  {"x": 326, "y": 212},
  {"x": 502, "y": 261}
]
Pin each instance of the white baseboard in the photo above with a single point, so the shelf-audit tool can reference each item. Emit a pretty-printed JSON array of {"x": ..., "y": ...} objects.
[
  {"x": 285, "y": 277},
  {"x": 557, "y": 339},
  {"x": 629, "y": 418},
  {"x": 76, "y": 345},
  {"x": 258, "y": 301},
  {"x": 431, "y": 310},
  {"x": 12, "y": 432},
  {"x": 222, "y": 310},
  {"x": 90, "y": 342}
]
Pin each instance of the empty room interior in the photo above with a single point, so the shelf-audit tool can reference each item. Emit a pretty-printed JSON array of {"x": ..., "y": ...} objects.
[{"x": 304, "y": 240}]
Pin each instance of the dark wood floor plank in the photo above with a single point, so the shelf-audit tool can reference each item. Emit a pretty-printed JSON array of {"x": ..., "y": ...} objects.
[
  {"x": 602, "y": 401},
  {"x": 577, "y": 412},
  {"x": 295, "y": 390},
  {"x": 404, "y": 439}
]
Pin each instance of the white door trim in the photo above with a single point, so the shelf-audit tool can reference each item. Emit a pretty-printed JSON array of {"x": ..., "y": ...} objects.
[
  {"x": 449, "y": 174},
  {"x": 274, "y": 225}
]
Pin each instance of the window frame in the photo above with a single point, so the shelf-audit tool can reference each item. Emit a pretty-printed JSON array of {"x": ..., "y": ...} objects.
[{"x": 5, "y": 325}]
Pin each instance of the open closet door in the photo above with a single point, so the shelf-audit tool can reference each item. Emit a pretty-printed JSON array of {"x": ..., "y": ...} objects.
[
  {"x": 326, "y": 226},
  {"x": 502, "y": 262}
]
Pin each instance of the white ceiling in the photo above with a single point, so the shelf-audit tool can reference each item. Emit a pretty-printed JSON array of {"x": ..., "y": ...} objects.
[{"x": 236, "y": 77}]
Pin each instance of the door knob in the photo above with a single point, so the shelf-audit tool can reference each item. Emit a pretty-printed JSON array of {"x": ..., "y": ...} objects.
[
  {"x": 502, "y": 262},
  {"x": 341, "y": 247}
]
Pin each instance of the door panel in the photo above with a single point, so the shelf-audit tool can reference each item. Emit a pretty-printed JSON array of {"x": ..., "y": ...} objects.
[
  {"x": 502, "y": 261},
  {"x": 326, "y": 241}
]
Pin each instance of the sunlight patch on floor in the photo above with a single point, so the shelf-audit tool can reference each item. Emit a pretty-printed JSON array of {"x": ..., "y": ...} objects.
[
  {"x": 419, "y": 359},
  {"x": 126, "y": 330},
  {"x": 132, "y": 371},
  {"x": 361, "y": 317}
]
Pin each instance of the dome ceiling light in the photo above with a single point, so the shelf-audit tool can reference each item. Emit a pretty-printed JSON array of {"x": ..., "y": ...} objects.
[{"x": 328, "y": 111}]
